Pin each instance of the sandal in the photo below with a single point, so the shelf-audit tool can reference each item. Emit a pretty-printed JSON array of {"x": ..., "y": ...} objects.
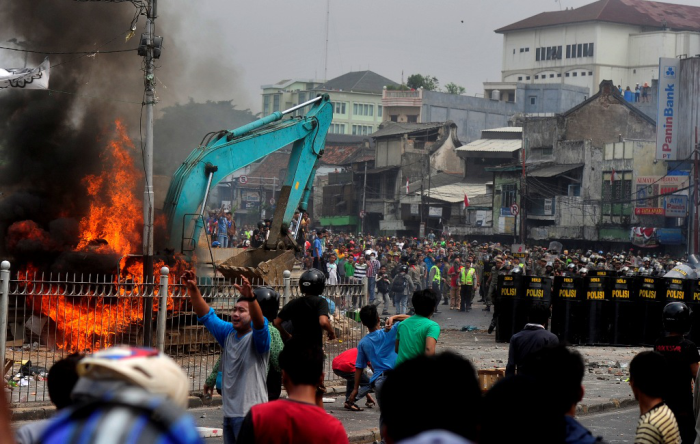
[
  {"x": 370, "y": 404},
  {"x": 352, "y": 407}
]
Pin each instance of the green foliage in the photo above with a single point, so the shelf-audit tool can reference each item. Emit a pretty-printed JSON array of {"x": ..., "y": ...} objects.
[
  {"x": 426, "y": 82},
  {"x": 181, "y": 128},
  {"x": 398, "y": 88},
  {"x": 452, "y": 88}
]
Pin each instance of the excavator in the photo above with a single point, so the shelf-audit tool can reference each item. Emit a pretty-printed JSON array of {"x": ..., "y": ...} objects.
[{"x": 224, "y": 152}]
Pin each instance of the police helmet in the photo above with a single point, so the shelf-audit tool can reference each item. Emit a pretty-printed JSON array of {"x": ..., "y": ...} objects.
[
  {"x": 676, "y": 317},
  {"x": 404, "y": 269},
  {"x": 571, "y": 266},
  {"x": 646, "y": 259},
  {"x": 583, "y": 271},
  {"x": 269, "y": 301},
  {"x": 517, "y": 271},
  {"x": 312, "y": 282}
]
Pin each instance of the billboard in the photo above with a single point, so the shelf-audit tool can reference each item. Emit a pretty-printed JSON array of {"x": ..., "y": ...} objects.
[
  {"x": 666, "y": 127},
  {"x": 651, "y": 191}
]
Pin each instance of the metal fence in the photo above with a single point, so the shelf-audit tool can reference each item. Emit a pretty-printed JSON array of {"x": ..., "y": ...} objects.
[{"x": 44, "y": 318}]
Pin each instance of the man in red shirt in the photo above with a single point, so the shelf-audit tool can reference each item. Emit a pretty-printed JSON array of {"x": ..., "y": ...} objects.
[
  {"x": 453, "y": 274},
  {"x": 297, "y": 419},
  {"x": 344, "y": 366}
]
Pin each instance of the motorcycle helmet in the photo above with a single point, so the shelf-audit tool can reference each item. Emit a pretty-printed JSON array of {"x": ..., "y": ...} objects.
[
  {"x": 404, "y": 269},
  {"x": 269, "y": 301},
  {"x": 312, "y": 282},
  {"x": 676, "y": 317}
]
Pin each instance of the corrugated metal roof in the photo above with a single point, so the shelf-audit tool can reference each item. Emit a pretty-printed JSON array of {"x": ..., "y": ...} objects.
[
  {"x": 505, "y": 129},
  {"x": 553, "y": 170},
  {"x": 455, "y": 192},
  {"x": 493, "y": 145}
]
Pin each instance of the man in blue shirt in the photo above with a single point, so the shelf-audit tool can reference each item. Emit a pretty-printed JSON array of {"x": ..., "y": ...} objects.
[
  {"x": 378, "y": 348},
  {"x": 245, "y": 346},
  {"x": 318, "y": 249}
]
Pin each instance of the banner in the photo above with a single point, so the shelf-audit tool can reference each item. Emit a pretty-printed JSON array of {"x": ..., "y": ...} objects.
[
  {"x": 26, "y": 78},
  {"x": 644, "y": 237},
  {"x": 650, "y": 191},
  {"x": 666, "y": 131}
]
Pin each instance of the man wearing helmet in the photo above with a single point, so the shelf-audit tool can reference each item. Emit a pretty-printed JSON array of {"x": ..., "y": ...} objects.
[
  {"x": 309, "y": 314},
  {"x": 245, "y": 346},
  {"x": 682, "y": 357}
]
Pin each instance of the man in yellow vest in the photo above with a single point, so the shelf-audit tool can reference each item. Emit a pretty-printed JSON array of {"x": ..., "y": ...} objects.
[
  {"x": 468, "y": 282},
  {"x": 435, "y": 278}
]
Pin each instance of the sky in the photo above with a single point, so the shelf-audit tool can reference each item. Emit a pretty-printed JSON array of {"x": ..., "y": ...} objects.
[{"x": 270, "y": 40}]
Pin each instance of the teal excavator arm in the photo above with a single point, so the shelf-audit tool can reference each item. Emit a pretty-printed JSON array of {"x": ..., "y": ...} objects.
[{"x": 230, "y": 150}]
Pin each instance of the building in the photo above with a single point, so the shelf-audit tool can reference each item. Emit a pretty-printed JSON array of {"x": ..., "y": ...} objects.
[
  {"x": 356, "y": 97},
  {"x": 474, "y": 114},
  {"x": 621, "y": 40},
  {"x": 406, "y": 153},
  {"x": 591, "y": 178}
]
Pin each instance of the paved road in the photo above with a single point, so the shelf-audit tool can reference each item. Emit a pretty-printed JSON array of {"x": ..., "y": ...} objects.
[{"x": 617, "y": 427}]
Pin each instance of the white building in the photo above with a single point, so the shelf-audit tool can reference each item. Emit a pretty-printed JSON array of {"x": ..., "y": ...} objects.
[{"x": 618, "y": 40}]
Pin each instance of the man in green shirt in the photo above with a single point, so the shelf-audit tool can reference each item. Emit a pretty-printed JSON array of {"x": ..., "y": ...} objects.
[{"x": 418, "y": 334}]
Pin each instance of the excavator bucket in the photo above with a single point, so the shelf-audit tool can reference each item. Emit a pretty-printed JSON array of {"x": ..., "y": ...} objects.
[{"x": 260, "y": 266}]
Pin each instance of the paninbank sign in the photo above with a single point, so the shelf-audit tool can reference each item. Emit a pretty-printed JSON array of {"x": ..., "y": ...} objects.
[{"x": 667, "y": 122}]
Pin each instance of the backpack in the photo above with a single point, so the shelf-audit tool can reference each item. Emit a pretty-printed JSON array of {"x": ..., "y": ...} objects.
[{"x": 399, "y": 285}]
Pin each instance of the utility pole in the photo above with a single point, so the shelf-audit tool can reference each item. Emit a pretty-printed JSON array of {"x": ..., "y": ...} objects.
[
  {"x": 695, "y": 196},
  {"x": 325, "y": 59},
  {"x": 422, "y": 197},
  {"x": 523, "y": 193},
  {"x": 148, "y": 201},
  {"x": 364, "y": 199}
]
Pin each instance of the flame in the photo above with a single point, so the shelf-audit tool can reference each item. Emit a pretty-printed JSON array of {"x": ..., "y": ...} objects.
[
  {"x": 113, "y": 225},
  {"x": 115, "y": 213}
]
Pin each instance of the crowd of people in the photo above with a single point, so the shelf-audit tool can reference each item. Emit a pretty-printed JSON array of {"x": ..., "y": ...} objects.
[{"x": 126, "y": 394}]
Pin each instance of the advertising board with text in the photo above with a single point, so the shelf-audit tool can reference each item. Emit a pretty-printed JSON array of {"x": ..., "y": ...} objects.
[{"x": 651, "y": 192}]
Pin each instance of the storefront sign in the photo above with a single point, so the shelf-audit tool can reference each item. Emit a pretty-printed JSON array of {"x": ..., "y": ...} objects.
[
  {"x": 667, "y": 123},
  {"x": 676, "y": 206},
  {"x": 651, "y": 191}
]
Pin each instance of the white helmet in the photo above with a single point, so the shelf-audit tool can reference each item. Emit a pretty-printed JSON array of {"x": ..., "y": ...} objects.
[{"x": 144, "y": 367}]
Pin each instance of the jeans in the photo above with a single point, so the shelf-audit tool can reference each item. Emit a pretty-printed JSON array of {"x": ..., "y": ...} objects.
[
  {"x": 436, "y": 289},
  {"x": 401, "y": 302},
  {"x": 223, "y": 241},
  {"x": 232, "y": 426},
  {"x": 383, "y": 297},
  {"x": 371, "y": 285},
  {"x": 377, "y": 385},
  {"x": 350, "y": 378}
]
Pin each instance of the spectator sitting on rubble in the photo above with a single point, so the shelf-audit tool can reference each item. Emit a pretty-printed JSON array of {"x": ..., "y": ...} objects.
[
  {"x": 453, "y": 383},
  {"x": 297, "y": 419},
  {"x": 126, "y": 394},
  {"x": 60, "y": 381}
]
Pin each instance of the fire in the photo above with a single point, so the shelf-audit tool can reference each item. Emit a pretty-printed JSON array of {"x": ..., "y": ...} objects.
[
  {"x": 106, "y": 312},
  {"x": 115, "y": 213}
]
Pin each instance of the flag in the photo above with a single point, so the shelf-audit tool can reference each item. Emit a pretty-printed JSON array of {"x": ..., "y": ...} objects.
[
  {"x": 466, "y": 201},
  {"x": 612, "y": 177},
  {"x": 26, "y": 78},
  {"x": 407, "y": 185}
]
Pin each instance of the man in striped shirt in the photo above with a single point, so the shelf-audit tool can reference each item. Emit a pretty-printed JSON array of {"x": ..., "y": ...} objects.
[
  {"x": 373, "y": 266},
  {"x": 657, "y": 424}
]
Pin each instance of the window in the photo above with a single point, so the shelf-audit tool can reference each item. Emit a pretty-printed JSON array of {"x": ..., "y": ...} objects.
[
  {"x": 380, "y": 110},
  {"x": 266, "y": 104},
  {"x": 585, "y": 49},
  {"x": 583, "y": 73},
  {"x": 521, "y": 50},
  {"x": 361, "y": 130},
  {"x": 511, "y": 97},
  {"x": 508, "y": 193},
  {"x": 567, "y": 74},
  {"x": 551, "y": 76},
  {"x": 568, "y": 51},
  {"x": 411, "y": 119},
  {"x": 527, "y": 49},
  {"x": 338, "y": 107},
  {"x": 362, "y": 109},
  {"x": 537, "y": 54},
  {"x": 574, "y": 190},
  {"x": 276, "y": 103},
  {"x": 302, "y": 97},
  {"x": 527, "y": 78},
  {"x": 559, "y": 75},
  {"x": 590, "y": 50},
  {"x": 559, "y": 53},
  {"x": 549, "y": 53},
  {"x": 520, "y": 78},
  {"x": 394, "y": 118},
  {"x": 537, "y": 77},
  {"x": 590, "y": 73},
  {"x": 533, "y": 100},
  {"x": 616, "y": 195},
  {"x": 579, "y": 50},
  {"x": 513, "y": 50},
  {"x": 575, "y": 74},
  {"x": 337, "y": 128}
]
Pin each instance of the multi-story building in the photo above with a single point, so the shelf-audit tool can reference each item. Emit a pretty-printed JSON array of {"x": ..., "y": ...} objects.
[
  {"x": 356, "y": 97},
  {"x": 618, "y": 40}
]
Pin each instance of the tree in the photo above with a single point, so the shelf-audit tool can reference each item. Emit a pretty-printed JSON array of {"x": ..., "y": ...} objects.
[
  {"x": 426, "y": 82},
  {"x": 452, "y": 88}
]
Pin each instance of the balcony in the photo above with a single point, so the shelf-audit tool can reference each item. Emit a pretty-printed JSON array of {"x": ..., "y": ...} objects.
[
  {"x": 541, "y": 208},
  {"x": 402, "y": 98}
]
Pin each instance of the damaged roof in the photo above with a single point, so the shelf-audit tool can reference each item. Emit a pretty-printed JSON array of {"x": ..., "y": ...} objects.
[{"x": 388, "y": 129}]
